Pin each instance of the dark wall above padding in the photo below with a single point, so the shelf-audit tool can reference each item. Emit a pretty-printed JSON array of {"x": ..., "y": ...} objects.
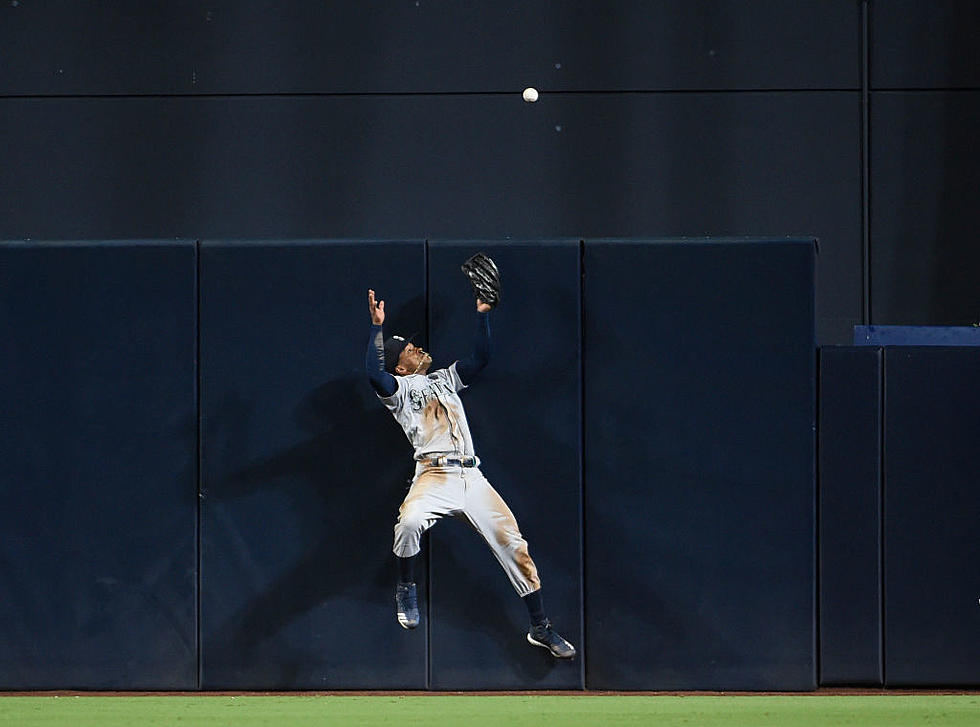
[
  {"x": 462, "y": 167},
  {"x": 302, "y": 467},
  {"x": 699, "y": 464},
  {"x": 99, "y": 448},
  {"x": 427, "y": 46},
  {"x": 925, "y": 44},
  {"x": 850, "y": 521},
  {"x": 924, "y": 208},
  {"x": 932, "y": 426},
  {"x": 524, "y": 413}
]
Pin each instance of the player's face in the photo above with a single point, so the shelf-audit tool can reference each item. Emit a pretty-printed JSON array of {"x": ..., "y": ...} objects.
[{"x": 413, "y": 360}]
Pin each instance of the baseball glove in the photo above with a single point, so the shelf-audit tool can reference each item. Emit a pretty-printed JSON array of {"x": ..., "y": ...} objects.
[{"x": 484, "y": 277}]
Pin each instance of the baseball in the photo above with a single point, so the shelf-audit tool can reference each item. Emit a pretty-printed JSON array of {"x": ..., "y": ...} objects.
[{"x": 530, "y": 95}]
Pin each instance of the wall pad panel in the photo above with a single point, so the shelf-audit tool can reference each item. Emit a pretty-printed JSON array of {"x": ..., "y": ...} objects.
[
  {"x": 99, "y": 449},
  {"x": 850, "y": 521},
  {"x": 699, "y": 464},
  {"x": 932, "y": 618},
  {"x": 524, "y": 415},
  {"x": 302, "y": 467}
]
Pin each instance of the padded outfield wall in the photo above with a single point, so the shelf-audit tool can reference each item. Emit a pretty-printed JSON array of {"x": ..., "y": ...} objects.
[
  {"x": 196, "y": 496},
  {"x": 261, "y": 530}
]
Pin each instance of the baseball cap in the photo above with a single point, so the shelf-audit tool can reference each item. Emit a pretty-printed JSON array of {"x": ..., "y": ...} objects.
[{"x": 393, "y": 349}]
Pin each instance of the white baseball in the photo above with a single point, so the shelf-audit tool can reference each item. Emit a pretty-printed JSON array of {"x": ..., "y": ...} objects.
[{"x": 530, "y": 95}]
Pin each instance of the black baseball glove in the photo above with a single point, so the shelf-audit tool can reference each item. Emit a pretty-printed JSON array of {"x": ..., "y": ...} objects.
[{"x": 484, "y": 277}]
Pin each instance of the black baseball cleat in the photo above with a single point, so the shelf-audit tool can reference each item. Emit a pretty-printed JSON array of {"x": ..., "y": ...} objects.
[
  {"x": 546, "y": 637},
  {"x": 407, "y": 605}
]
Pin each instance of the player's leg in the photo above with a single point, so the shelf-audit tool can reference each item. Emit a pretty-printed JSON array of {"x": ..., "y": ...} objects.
[
  {"x": 433, "y": 494},
  {"x": 490, "y": 516}
]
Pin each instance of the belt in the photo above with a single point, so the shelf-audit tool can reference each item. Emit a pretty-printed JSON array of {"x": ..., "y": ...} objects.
[{"x": 446, "y": 461}]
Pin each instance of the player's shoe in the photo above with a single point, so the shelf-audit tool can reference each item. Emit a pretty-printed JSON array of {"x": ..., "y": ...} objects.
[
  {"x": 546, "y": 637},
  {"x": 407, "y": 605}
]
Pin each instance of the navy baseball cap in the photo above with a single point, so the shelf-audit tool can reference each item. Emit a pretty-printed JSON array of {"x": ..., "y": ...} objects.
[{"x": 393, "y": 349}]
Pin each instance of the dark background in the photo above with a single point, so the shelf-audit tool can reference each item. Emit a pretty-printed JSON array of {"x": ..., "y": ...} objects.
[{"x": 849, "y": 121}]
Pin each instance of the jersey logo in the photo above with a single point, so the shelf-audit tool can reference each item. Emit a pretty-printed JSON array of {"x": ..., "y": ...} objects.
[{"x": 417, "y": 397}]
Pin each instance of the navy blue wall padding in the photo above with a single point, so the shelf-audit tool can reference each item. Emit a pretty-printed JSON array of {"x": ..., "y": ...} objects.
[
  {"x": 699, "y": 464},
  {"x": 850, "y": 502},
  {"x": 303, "y": 468},
  {"x": 916, "y": 336},
  {"x": 524, "y": 415},
  {"x": 99, "y": 449},
  {"x": 932, "y": 426},
  {"x": 470, "y": 166},
  {"x": 250, "y": 46}
]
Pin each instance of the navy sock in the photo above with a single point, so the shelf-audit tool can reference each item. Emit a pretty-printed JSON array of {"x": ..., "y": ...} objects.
[
  {"x": 535, "y": 608},
  {"x": 406, "y": 569}
]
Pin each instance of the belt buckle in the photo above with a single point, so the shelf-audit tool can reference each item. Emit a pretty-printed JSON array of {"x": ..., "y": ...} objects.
[{"x": 443, "y": 460}]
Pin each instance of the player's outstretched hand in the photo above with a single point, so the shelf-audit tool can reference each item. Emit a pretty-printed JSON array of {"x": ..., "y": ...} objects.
[
  {"x": 377, "y": 309},
  {"x": 482, "y": 307}
]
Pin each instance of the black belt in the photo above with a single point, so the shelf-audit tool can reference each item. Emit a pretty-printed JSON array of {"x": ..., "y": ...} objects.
[{"x": 447, "y": 461}]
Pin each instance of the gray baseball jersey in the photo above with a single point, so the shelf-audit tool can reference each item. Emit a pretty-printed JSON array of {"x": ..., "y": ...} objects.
[{"x": 429, "y": 409}]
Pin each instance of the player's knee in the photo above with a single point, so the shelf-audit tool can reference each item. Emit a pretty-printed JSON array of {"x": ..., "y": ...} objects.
[{"x": 410, "y": 524}]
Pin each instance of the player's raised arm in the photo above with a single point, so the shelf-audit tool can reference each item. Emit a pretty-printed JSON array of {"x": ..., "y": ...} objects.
[
  {"x": 374, "y": 359},
  {"x": 485, "y": 279},
  {"x": 469, "y": 368},
  {"x": 376, "y": 308}
]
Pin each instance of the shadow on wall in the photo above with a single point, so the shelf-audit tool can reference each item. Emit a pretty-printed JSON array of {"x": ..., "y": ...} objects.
[
  {"x": 483, "y": 607},
  {"x": 516, "y": 411},
  {"x": 477, "y": 609},
  {"x": 343, "y": 485}
]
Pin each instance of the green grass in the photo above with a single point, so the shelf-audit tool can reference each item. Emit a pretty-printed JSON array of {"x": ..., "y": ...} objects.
[{"x": 493, "y": 711}]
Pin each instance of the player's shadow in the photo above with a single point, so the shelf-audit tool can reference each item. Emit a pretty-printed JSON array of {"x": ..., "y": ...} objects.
[
  {"x": 343, "y": 485},
  {"x": 478, "y": 610},
  {"x": 480, "y": 603}
]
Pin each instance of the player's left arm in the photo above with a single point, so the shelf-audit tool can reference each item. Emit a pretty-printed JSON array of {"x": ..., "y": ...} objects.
[
  {"x": 374, "y": 359},
  {"x": 468, "y": 368}
]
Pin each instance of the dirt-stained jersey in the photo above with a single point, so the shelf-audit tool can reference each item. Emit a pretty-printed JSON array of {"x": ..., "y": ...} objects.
[{"x": 430, "y": 411}]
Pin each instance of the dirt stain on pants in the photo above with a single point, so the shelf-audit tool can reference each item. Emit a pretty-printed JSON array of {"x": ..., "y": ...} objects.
[{"x": 466, "y": 494}]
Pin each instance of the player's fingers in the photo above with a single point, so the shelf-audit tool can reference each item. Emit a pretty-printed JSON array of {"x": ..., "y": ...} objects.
[{"x": 381, "y": 305}]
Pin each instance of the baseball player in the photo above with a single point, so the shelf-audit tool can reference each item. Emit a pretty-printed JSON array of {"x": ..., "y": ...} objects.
[{"x": 447, "y": 479}]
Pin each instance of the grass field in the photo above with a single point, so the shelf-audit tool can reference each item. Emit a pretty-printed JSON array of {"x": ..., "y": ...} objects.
[{"x": 493, "y": 711}]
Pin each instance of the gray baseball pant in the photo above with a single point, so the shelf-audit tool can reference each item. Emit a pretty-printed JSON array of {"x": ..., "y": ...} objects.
[{"x": 463, "y": 492}]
